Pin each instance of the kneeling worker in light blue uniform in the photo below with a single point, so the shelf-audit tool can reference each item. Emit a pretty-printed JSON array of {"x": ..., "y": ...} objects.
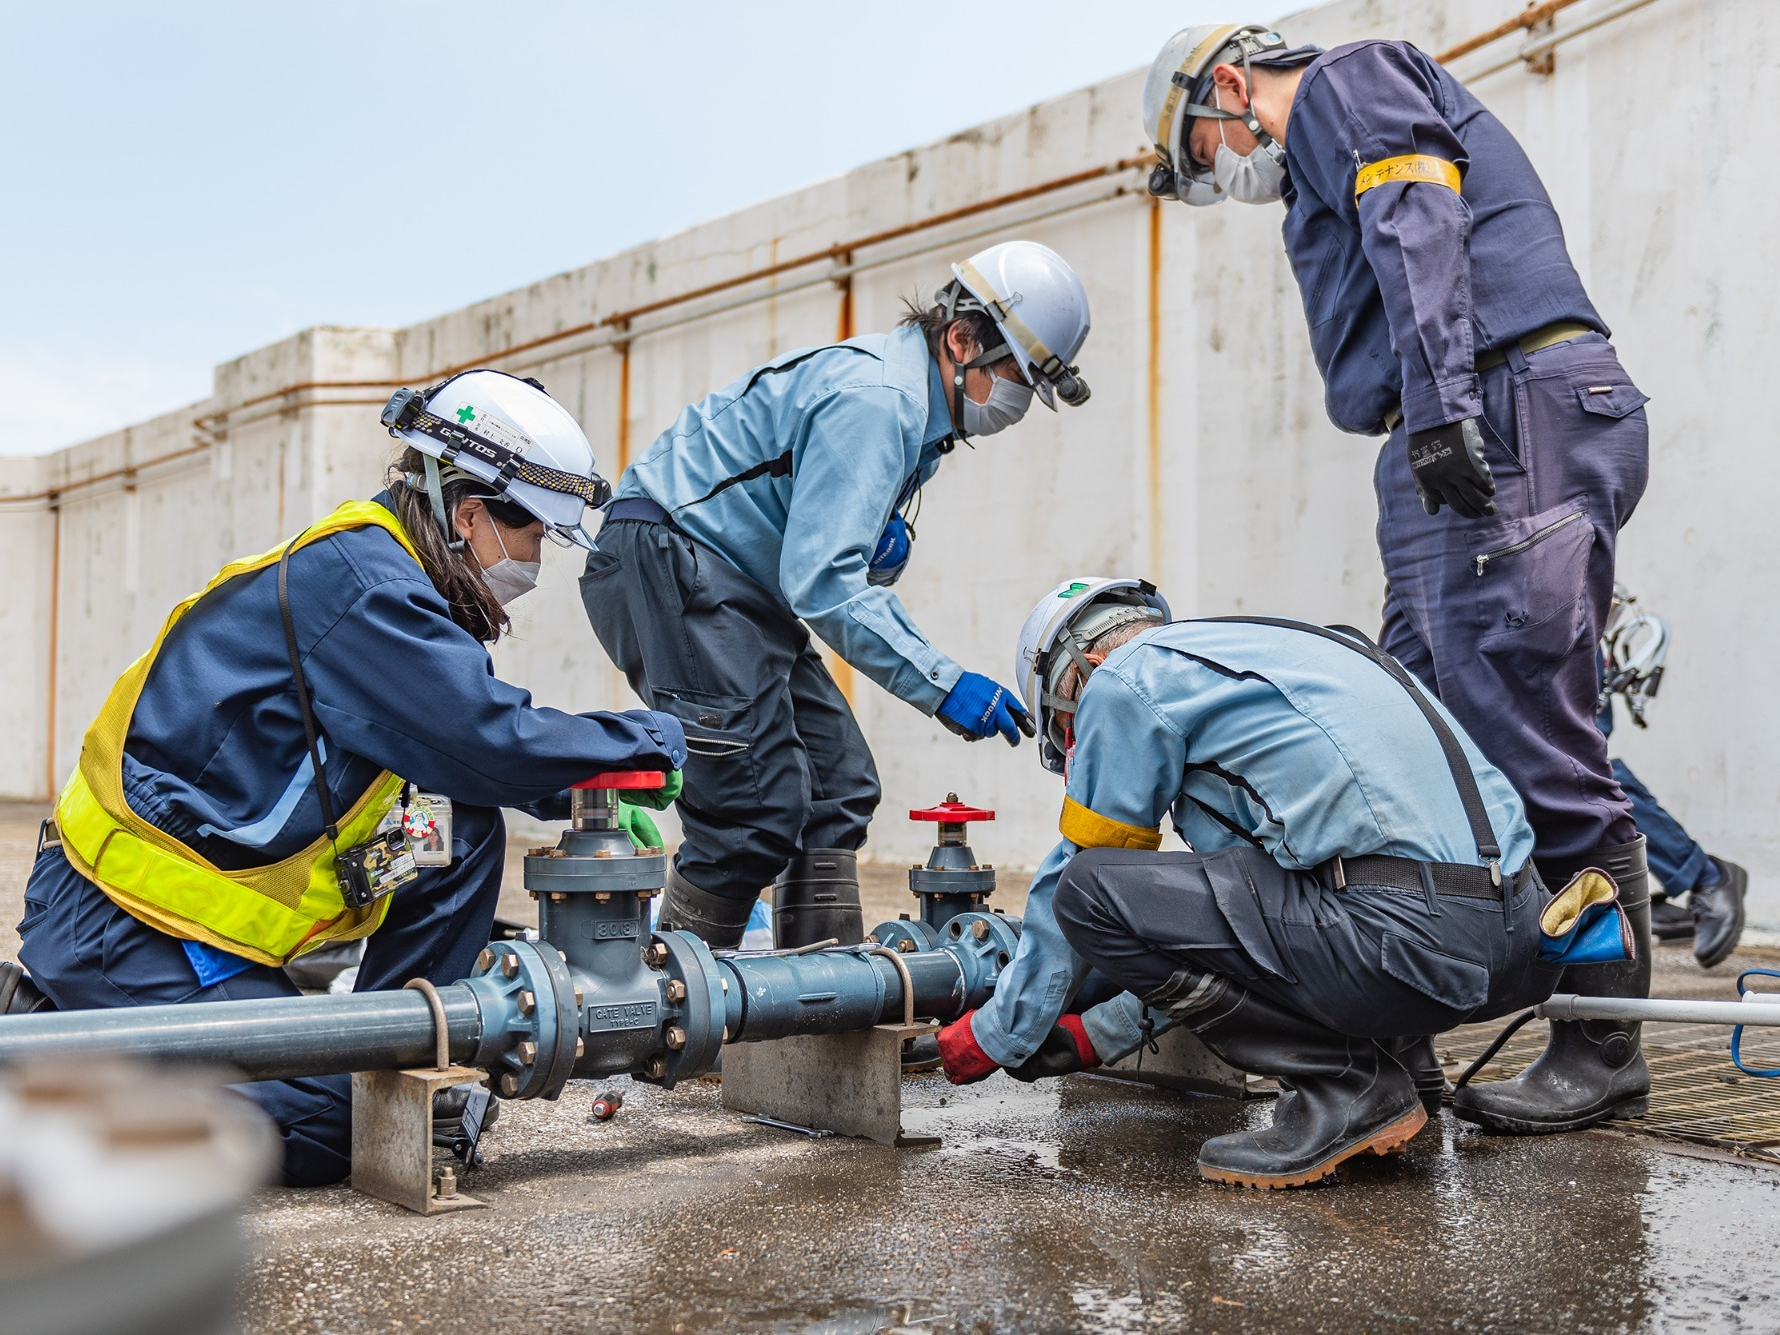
[
  {"x": 1361, "y": 877},
  {"x": 778, "y": 506}
]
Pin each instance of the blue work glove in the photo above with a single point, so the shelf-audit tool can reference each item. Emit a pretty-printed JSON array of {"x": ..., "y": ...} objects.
[
  {"x": 892, "y": 552},
  {"x": 977, "y": 708}
]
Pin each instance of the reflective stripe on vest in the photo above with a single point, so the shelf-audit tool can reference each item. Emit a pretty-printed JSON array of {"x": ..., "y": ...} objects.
[{"x": 266, "y": 914}]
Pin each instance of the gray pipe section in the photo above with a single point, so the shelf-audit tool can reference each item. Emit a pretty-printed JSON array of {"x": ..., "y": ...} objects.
[
  {"x": 273, "y": 1039},
  {"x": 1566, "y": 1007},
  {"x": 832, "y": 992}
]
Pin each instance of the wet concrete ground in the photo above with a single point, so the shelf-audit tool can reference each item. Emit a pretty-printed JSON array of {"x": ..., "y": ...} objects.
[
  {"x": 1073, "y": 1205},
  {"x": 1070, "y": 1206}
]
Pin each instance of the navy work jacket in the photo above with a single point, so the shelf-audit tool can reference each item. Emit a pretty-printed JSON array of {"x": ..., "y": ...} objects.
[
  {"x": 216, "y": 755},
  {"x": 1406, "y": 284}
]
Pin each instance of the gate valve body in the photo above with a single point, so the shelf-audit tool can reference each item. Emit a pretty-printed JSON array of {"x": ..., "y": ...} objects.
[{"x": 952, "y": 882}]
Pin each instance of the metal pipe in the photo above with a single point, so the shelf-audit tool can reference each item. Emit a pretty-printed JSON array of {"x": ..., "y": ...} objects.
[
  {"x": 1544, "y": 46},
  {"x": 1528, "y": 19},
  {"x": 1566, "y": 1007},
  {"x": 834, "y": 991},
  {"x": 273, "y": 1039}
]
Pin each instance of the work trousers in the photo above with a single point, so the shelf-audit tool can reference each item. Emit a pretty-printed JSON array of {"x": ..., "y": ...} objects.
[
  {"x": 85, "y": 952},
  {"x": 776, "y": 762},
  {"x": 1370, "y": 961},
  {"x": 1501, "y": 616}
]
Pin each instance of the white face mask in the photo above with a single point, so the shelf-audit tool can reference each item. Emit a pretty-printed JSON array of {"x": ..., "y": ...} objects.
[
  {"x": 1007, "y": 403},
  {"x": 509, "y": 579},
  {"x": 1254, "y": 179}
]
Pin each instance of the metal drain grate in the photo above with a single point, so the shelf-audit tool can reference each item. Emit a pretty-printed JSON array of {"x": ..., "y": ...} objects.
[{"x": 1696, "y": 1094}]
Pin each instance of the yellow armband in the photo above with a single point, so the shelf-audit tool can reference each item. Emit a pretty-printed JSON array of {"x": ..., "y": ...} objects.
[
  {"x": 1089, "y": 829},
  {"x": 1413, "y": 167}
]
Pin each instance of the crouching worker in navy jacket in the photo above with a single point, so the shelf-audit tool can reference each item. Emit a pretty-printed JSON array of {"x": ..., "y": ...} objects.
[
  {"x": 189, "y": 856},
  {"x": 1361, "y": 878}
]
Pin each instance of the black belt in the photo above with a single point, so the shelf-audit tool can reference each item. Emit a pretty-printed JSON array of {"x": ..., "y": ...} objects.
[
  {"x": 1463, "y": 879},
  {"x": 641, "y": 508}
]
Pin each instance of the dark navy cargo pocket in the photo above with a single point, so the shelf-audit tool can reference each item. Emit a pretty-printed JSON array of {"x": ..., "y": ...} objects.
[
  {"x": 1445, "y": 978},
  {"x": 1609, "y": 396},
  {"x": 720, "y": 734},
  {"x": 1530, "y": 576}
]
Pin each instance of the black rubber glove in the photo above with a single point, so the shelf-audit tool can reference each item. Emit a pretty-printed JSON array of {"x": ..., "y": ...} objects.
[
  {"x": 1066, "y": 1050},
  {"x": 1448, "y": 466}
]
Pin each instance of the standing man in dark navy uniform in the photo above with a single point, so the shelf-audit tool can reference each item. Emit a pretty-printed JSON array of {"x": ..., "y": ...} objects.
[{"x": 1444, "y": 311}]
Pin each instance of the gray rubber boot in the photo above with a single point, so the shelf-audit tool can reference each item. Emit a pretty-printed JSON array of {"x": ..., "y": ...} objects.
[
  {"x": 1591, "y": 1069},
  {"x": 716, "y": 920},
  {"x": 1339, "y": 1096},
  {"x": 816, "y": 898}
]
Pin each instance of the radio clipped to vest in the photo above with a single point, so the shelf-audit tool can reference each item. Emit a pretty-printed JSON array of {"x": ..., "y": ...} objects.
[{"x": 381, "y": 864}]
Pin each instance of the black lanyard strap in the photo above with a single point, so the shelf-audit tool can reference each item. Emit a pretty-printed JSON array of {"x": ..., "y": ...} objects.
[{"x": 1456, "y": 761}]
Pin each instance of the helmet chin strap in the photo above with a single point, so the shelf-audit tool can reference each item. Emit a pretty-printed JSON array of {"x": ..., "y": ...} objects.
[
  {"x": 436, "y": 494},
  {"x": 952, "y": 296}
]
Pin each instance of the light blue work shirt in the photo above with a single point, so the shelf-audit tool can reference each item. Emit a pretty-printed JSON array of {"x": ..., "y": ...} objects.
[
  {"x": 791, "y": 473},
  {"x": 1309, "y": 747}
]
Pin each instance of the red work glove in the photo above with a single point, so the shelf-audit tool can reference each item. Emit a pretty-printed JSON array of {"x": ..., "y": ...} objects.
[
  {"x": 1066, "y": 1049},
  {"x": 964, "y": 1062}
]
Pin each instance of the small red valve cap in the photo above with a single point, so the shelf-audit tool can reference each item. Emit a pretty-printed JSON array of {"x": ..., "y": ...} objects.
[
  {"x": 636, "y": 778},
  {"x": 953, "y": 813}
]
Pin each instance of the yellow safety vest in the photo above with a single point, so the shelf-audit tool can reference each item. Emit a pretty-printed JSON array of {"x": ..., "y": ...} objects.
[{"x": 267, "y": 914}]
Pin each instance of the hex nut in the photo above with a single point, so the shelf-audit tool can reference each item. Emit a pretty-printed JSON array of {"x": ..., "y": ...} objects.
[
  {"x": 656, "y": 954},
  {"x": 510, "y": 965},
  {"x": 676, "y": 991},
  {"x": 528, "y": 1052},
  {"x": 905, "y": 946},
  {"x": 528, "y": 1002},
  {"x": 509, "y": 1085},
  {"x": 675, "y": 1037},
  {"x": 558, "y": 897},
  {"x": 602, "y": 896},
  {"x": 579, "y": 1001},
  {"x": 980, "y": 930},
  {"x": 485, "y": 961},
  {"x": 580, "y": 1047},
  {"x": 655, "y": 1068}
]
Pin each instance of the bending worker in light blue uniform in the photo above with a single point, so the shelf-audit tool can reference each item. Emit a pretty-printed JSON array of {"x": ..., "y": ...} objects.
[
  {"x": 193, "y": 852},
  {"x": 1361, "y": 877},
  {"x": 778, "y": 506}
]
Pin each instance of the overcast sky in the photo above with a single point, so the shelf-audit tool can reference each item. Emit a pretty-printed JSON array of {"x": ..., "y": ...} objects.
[{"x": 186, "y": 181}]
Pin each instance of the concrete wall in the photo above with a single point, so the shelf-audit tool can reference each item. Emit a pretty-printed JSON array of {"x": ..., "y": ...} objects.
[{"x": 1204, "y": 459}]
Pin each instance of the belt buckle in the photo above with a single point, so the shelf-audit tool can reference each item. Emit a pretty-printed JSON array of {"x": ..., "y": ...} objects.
[
  {"x": 48, "y": 835},
  {"x": 1340, "y": 872}
]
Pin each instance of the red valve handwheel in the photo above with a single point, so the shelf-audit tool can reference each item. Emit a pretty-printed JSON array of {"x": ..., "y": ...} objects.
[
  {"x": 952, "y": 813},
  {"x": 636, "y": 778}
]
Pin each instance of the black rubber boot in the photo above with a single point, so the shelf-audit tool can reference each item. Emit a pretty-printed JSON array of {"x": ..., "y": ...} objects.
[
  {"x": 816, "y": 898},
  {"x": 1670, "y": 921},
  {"x": 1591, "y": 1069},
  {"x": 717, "y": 921},
  {"x": 1718, "y": 914},
  {"x": 18, "y": 994},
  {"x": 1339, "y": 1096},
  {"x": 1417, "y": 1056}
]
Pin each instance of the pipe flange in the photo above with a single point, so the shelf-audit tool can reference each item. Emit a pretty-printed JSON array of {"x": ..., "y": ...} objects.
[
  {"x": 530, "y": 1022},
  {"x": 984, "y": 944},
  {"x": 907, "y": 935},
  {"x": 692, "y": 1030}
]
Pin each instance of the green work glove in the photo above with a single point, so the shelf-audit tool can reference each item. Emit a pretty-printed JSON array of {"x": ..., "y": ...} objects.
[
  {"x": 657, "y": 798},
  {"x": 640, "y": 826}
]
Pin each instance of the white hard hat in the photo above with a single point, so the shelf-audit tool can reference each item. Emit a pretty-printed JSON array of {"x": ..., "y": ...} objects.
[
  {"x": 1039, "y": 307},
  {"x": 510, "y": 434},
  {"x": 1066, "y": 621},
  {"x": 1185, "y": 59}
]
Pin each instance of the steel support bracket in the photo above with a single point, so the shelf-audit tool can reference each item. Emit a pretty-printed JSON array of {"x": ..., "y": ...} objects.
[
  {"x": 1182, "y": 1062},
  {"x": 850, "y": 1084},
  {"x": 392, "y": 1138}
]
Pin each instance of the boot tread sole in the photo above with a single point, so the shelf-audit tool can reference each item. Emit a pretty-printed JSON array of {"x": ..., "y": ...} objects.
[
  {"x": 1635, "y": 1106},
  {"x": 1391, "y": 1139}
]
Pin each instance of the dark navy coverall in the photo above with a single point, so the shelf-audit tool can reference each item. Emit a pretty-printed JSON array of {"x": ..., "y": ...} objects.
[
  {"x": 216, "y": 757},
  {"x": 1404, "y": 289}
]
